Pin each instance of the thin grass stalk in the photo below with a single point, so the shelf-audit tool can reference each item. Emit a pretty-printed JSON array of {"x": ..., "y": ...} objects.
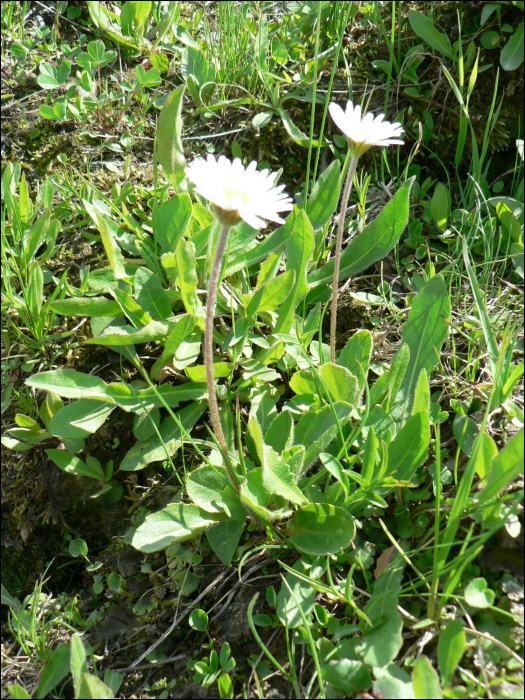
[
  {"x": 314, "y": 95},
  {"x": 339, "y": 245},
  {"x": 208, "y": 349}
]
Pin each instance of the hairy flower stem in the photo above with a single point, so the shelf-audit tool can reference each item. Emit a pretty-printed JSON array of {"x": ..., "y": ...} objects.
[
  {"x": 337, "y": 265},
  {"x": 208, "y": 350}
]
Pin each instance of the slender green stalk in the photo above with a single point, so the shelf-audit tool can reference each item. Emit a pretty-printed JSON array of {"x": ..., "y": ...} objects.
[
  {"x": 339, "y": 245},
  {"x": 208, "y": 348},
  {"x": 312, "y": 115},
  {"x": 431, "y": 609}
]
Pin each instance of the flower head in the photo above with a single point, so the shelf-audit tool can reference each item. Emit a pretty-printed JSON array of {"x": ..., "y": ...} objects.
[
  {"x": 239, "y": 193},
  {"x": 363, "y": 132}
]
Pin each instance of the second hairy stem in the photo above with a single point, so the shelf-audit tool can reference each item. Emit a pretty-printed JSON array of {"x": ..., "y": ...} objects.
[
  {"x": 339, "y": 244},
  {"x": 208, "y": 349}
]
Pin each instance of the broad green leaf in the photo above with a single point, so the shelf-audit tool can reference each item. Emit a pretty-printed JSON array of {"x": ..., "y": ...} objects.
[
  {"x": 299, "y": 249},
  {"x": 373, "y": 244},
  {"x": 71, "y": 384},
  {"x": 209, "y": 487},
  {"x": 422, "y": 394},
  {"x": 451, "y": 646},
  {"x": 287, "y": 606},
  {"x": 187, "y": 277},
  {"x": 172, "y": 221},
  {"x": 302, "y": 382},
  {"x": 409, "y": 449},
  {"x": 440, "y": 206},
  {"x": 90, "y": 686},
  {"x": 86, "y": 306},
  {"x": 394, "y": 683},
  {"x": 170, "y": 151},
  {"x": 134, "y": 312},
  {"x": 511, "y": 56},
  {"x": 356, "y": 355},
  {"x": 317, "y": 429},
  {"x": 324, "y": 197},
  {"x": 153, "y": 450},
  {"x": 505, "y": 468},
  {"x": 396, "y": 374},
  {"x": 275, "y": 291},
  {"x": 347, "y": 675},
  {"x": 279, "y": 435},
  {"x": 35, "y": 289},
  {"x": 322, "y": 529},
  {"x": 382, "y": 642},
  {"x": 369, "y": 456},
  {"x": 334, "y": 467},
  {"x": 224, "y": 539},
  {"x": 80, "y": 418},
  {"x": 78, "y": 657},
  {"x": 144, "y": 424},
  {"x": 478, "y": 594},
  {"x": 197, "y": 373},
  {"x": 174, "y": 523},
  {"x": 341, "y": 383},
  {"x": 425, "y": 680},
  {"x": 257, "y": 498},
  {"x": 127, "y": 335},
  {"x": 55, "y": 670},
  {"x": 184, "y": 326},
  {"x": 151, "y": 295},
  {"x": 36, "y": 236},
  {"x": 425, "y": 29},
  {"x": 425, "y": 332},
  {"x": 294, "y": 133},
  {"x": 73, "y": 465},
  {"x": 140, "y": 12},
  {"x": 277, "y": 478},
  {"x": 111, "y": 247}
]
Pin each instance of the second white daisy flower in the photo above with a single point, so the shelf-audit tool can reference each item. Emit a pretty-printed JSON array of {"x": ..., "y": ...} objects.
[{"x": 363, "y": 132}]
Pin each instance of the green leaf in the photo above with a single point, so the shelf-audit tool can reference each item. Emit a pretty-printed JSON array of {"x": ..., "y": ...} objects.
[
  {"x": 409, "y": 449},
  {"x": 451, "y": 646},
  {"x": 172, "y": 221},
  {"x": 90, "y": 686},
  {"x": 425, "y": 680},
  {"x": 422, "y": 394},
  {"x": 72, "y": 465},
  {"x": 341, "y": 383},
  {"x": 316, "y": 429},
  {"x": 374, "y": 243},
  {"x": 224, "y": 539},
  {"x": 425, "y": 332},
  {"x": 153, "y": 450},
  {"x": 324, "y": 197},
  {"x": 303, "y": 594},
  {"x": 277, "y": 478},
  {"x": 86, "y": 306},
  {"x": 505, "y": 467},
  {"x": 36, "y": 236},
  {"x": 394, "y": 683},
  {"x": 511, "y": 56},
  {"x": 382, "y": 642},
  {"x": 74, "y": 385},
  {"x": 347, "y": 675},
  {"x": 151, "y": 295},
  {"x": 478, "y": 594},
  {"x": 425, "y": 28},
  {"x": 16, "y": 692},
  {"x": 174, "y": 523},
  {"x": 134, "y": 312},
  {"x": 182, "y": 329},
  {"x": 111, "y": 247},
  {"x": 257, "y": 498},
  {"x": 279, "y": 435},
  {"x": 275, "y": 292},
  {"x": 299, "y": 249},
  {"x": 127, "y": 335},
  {"x": 209, "y": 487},
  {"x": 294, "y": 133},
  {"x": 322, "y": 529},
  {"x": 440, "y": 206},
  {"x": 144, "y": 424},
  {"x": 80, "y": 418},
  {"x": 55, "y": 670},
  {"x": 170, "y": 151},
  {"x": 35, "y": 290},
  {"x": 302, "y": 382},
  {"x": 78, "y": 657},
  {"x": 198, "y": 372},
  {"x": 187, "y": 276},
  {"x": 356, "y": 354}
]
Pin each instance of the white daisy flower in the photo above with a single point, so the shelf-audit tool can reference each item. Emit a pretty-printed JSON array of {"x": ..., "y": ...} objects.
[
  {"x": 363, "y": 132},
  {"x": 239, "y": 193}
]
